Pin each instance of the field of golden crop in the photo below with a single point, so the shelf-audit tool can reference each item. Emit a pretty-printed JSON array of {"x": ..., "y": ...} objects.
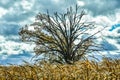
[{"x": 81, "y": 70}]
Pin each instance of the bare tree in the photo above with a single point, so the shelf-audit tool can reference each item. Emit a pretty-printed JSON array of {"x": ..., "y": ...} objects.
[{"x": 61, "y": 35}]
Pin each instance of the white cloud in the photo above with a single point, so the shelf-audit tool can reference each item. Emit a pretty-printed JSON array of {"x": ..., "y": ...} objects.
[
  {"x": 103, "y": 20},
  {"x": 106, "y": 21},
  {"x": 12, "y": 47},
  {"x": 80, "y": 3},
  {"x": 26, "y": 4},
  {"x": 2, "y": 39},
  {"x": 27, "y": 47},
  {"x": 99, "y": 7},
  {"x": 2, "y": 11},
  {"x": 56, "y": 1},
  {"x": 117, "y": 17}
]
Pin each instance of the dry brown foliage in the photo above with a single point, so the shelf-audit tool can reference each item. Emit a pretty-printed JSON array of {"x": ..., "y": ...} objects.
[{"x": 81, "y": 70}]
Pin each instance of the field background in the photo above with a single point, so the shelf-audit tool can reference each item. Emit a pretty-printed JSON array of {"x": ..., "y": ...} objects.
[{"x": 107, "y": 69}]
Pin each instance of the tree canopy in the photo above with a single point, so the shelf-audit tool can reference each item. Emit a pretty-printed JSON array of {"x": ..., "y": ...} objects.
[{"x": 63, "y": 37}]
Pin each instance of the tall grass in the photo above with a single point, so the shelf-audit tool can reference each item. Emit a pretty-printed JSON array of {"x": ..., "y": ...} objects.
[{"x": 107, "y": 69}]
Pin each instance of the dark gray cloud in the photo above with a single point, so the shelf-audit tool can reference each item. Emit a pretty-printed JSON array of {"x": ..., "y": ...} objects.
[
  {"x": 9, "y": 29},
  {"x": 0, "y": 49},
  {"x": 53, "y": 6},
  {"x": 118, "y": 31},
  {"x": 17, "y": 13},
  {"x": 102, "y": 7},
  {"x": 7, "y": 3},
  {"x": 18, "y": 16}
]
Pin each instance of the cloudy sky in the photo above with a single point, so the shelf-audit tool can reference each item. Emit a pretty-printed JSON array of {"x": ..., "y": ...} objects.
[{"x": 14, "y": 14}]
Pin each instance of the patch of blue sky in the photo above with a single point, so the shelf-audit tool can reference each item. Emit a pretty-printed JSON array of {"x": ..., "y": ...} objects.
[
  {"x": 114, "y": 27},
  {"x": 108, "y": 46},
  {"x": 9, "y": 29},
  {"x": 15, "y": 58}
]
